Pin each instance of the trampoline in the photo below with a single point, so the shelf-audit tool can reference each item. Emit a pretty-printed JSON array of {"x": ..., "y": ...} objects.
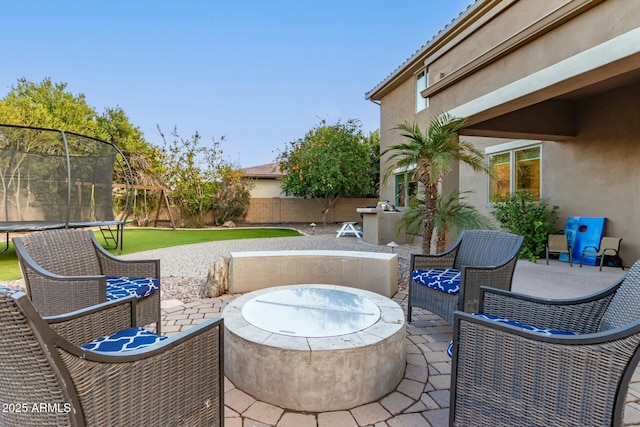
[{"x": 56, "y": 179}]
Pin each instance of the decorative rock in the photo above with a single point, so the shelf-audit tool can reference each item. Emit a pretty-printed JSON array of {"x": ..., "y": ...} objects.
[
  {"x": 229, "y": 224},
  {"x": 218, "y": 277}
]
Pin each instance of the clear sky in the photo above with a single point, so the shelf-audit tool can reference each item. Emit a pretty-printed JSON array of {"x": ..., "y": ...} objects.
[{"x": 262, "y": 73}]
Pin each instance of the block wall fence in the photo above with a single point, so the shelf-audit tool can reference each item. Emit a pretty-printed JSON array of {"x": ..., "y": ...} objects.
[
  {"x": 276, "y": 210},
  {"x": 283, "y": 209}
]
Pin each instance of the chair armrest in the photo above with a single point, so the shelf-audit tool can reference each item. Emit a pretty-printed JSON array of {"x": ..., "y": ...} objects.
[
  {"x": 581, "y": 315},
  {"x": 85, "y": 325},
  {"x": 430, "y": 261},
  {"x": 592, "y": 248},
  {"x": 472, "y": 278},
  {"x": 178, "y": 381},
  {"x": 115, "y": 266},
  {"x": 495, "y": 363}
]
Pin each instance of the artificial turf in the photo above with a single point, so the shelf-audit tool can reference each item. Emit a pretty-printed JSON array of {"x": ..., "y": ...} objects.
[{"x": 144, "y": 239}]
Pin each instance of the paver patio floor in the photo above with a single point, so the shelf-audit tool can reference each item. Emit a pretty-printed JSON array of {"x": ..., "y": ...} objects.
[{"x": 421, "y": 398}]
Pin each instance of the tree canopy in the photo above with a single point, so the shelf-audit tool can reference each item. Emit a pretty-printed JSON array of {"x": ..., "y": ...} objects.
[
  {"x": 329, "y": 162},
  {"x": 202, "y": 180},
  {"x": 50, "y": 105}
]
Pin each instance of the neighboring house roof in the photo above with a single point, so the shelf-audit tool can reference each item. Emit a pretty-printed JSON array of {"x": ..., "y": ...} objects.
[
  {"x": 270, "y": 170},
  {"x": 412, "y": 64}
]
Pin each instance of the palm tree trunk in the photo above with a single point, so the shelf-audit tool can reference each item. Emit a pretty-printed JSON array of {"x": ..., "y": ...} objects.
[{"x": 430, "y": 206}]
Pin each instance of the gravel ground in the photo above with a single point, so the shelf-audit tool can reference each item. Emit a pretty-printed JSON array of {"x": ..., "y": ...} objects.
[
  {"x": 189, "y": 289},
  {"x": 192, "y": 288}
]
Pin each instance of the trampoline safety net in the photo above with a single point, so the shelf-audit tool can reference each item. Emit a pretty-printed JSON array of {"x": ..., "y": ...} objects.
[{"x": 57, "y": 179}]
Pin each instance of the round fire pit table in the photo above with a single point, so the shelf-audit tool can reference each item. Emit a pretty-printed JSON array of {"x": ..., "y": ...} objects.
[{"x": 314, "y": 347}]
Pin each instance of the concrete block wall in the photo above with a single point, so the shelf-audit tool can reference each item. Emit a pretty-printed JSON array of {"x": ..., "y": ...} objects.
[{"x": 278, "y": 210}]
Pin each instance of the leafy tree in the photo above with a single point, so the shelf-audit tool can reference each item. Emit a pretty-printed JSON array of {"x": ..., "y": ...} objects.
[
  {"x": 145, "y": 159},
  {"x": 329, "y": 162},
  {"x": 200, "y": 179},
  {"x": 452, "y": 213},
  {"x": 47, "y": 105},
  {"x": 372, "y": 142},
  {"x": 233, "y": 196},
  {"x": 189, "y": 174},
  {"x": 431, "y": 156},
  {"x": 520, "y": 213},
  {"x": 51, "y": 105}
]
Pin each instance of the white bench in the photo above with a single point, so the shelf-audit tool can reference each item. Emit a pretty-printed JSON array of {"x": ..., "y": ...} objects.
[{"x": 372, "y": 271}]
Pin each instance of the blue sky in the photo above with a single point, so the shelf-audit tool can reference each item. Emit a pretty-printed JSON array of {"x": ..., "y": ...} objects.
[{"x": 262, "y": 73}]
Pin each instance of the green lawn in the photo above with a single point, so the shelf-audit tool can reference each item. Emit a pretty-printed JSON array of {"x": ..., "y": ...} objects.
[{"x": 143, "y": 239}]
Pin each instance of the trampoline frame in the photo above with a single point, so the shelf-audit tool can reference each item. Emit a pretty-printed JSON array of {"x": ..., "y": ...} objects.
[{"x": 111, "y": 229}]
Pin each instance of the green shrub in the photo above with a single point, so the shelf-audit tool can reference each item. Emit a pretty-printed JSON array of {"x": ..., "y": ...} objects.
[{"x": 519, "y": 213}]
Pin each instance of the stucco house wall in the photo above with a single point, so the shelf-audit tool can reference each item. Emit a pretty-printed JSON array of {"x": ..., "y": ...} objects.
[
  {"x": 266, "y": 188},
  {"x": 565, "y": 74}
]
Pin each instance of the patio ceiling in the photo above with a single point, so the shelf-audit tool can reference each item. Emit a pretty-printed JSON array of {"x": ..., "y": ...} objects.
[{"x": 551, "y": 112}]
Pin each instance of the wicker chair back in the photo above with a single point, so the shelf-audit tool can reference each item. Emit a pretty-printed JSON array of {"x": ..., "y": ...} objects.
[
  {"x": 485, "y": 248},
  {"x": 624, "y": 307},
  {"x": 65, "y": 252}
]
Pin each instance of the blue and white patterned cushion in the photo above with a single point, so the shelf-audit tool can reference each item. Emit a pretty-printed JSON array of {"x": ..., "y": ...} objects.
[
  {"x": 8, "y": 290},
  {"x": 543, "y": 331},
  {"x": 120, "y": 287},
  {"x": 450, "y": 349},
  {"x": 444, "y": 280},
  {"x": 127, "y": 340}
]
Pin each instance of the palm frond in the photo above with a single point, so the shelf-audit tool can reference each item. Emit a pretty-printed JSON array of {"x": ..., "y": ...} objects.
[
  {"x": 433, "y": 154},
  {"x": 453, "y": 213}
]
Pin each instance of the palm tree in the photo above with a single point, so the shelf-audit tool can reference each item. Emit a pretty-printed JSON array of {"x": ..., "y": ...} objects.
[
  {"x": 452, "y": 213},
  {"x": 431, "y": 156}
]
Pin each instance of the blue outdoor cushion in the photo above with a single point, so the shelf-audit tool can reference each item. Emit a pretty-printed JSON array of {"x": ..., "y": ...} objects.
[
  {"x": 544, "y": 331},
  {"x": 444, "y": 280},
  {"x": 120, "y": 287},
  {"x": 127, "y": 340},
  {"x": 8, "y": 290}
]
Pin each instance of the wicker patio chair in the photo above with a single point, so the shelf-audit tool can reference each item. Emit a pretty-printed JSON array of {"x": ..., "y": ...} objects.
[
  {"x": 505, "y": 375},
  {"x": 478, "y": 257},
  {"x": 66, "y": 270},
  {"x": 48, "y": 379}
]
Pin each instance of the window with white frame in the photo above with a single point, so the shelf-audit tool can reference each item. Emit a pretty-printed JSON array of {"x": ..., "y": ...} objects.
[
  {"x": 422, "y": 82},
  {"x": 515, "y": 167},
  {"x": 405, "y": 189}
]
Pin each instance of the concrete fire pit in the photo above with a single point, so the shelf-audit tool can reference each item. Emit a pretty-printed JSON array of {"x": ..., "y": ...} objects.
[{"x": 314, "y": 347}]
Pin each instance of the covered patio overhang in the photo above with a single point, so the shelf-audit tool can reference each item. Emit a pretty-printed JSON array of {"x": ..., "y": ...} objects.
[{"x": 545, "y": 105}]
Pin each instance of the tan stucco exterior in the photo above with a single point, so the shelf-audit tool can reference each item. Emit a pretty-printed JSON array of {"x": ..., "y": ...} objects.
[{"x": 565, "y": 74}]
